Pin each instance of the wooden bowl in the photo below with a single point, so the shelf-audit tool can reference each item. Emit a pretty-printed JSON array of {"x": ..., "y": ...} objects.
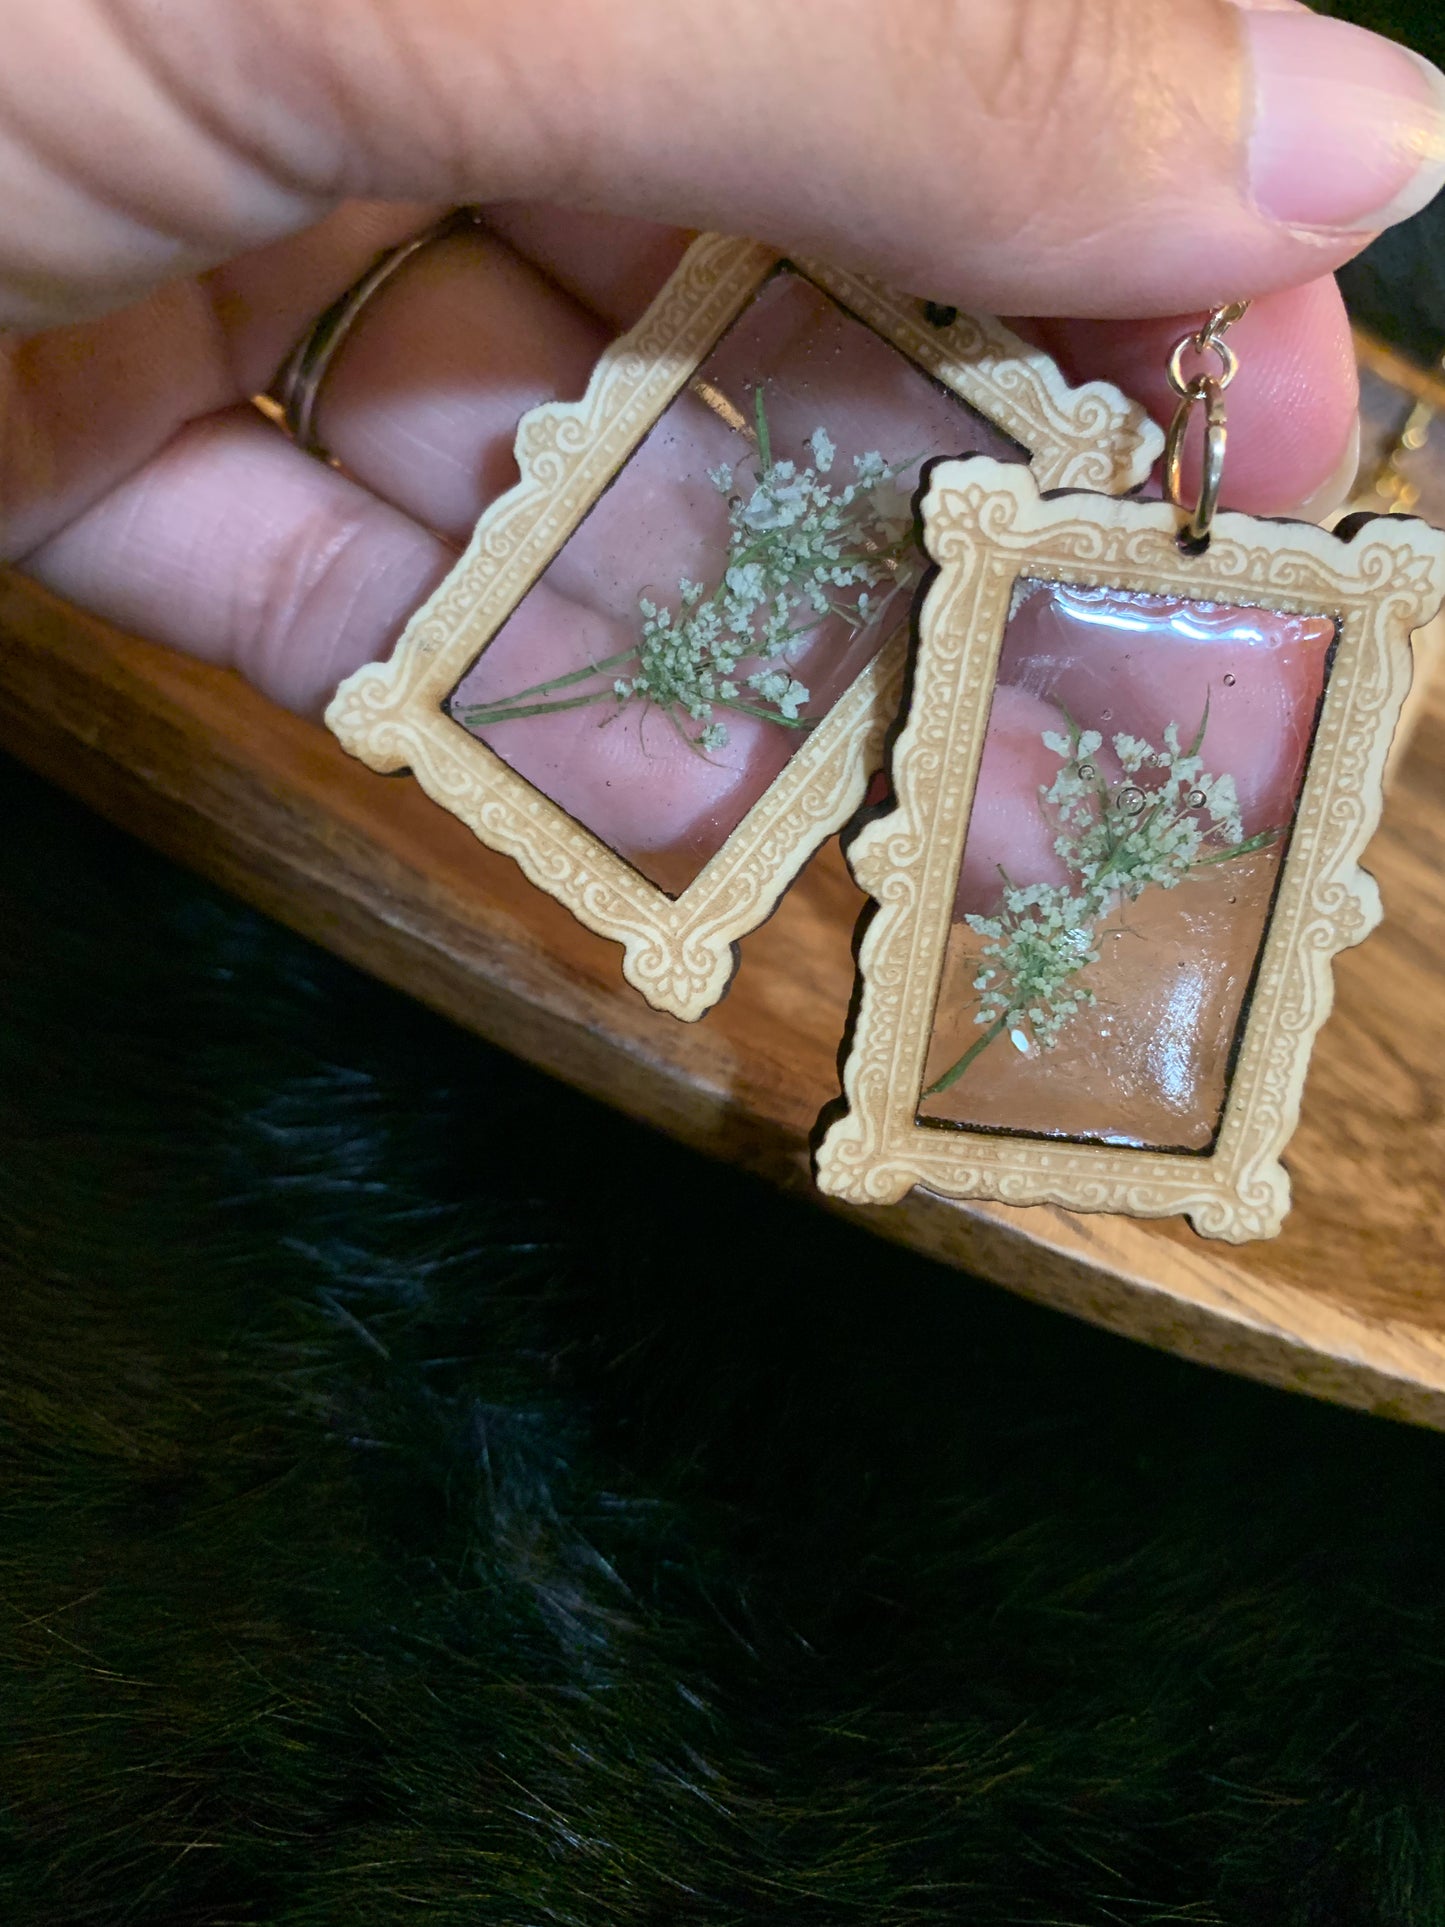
[{"x": 1349, "y": 1304}]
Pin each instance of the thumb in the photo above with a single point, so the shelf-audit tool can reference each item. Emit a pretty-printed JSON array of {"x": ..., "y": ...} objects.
[{"x": 1080, "y": 157}]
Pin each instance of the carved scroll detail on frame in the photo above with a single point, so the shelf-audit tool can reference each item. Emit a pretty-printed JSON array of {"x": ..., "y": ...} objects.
[
  {"x": 681, "y": 952},
  {"x": 986, "y": 528}
]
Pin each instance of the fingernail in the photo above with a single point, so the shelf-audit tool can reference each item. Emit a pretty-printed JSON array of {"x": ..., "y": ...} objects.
[
  {"x": 1349, "y": 128},
  {"x": 1332, "y": 494}
]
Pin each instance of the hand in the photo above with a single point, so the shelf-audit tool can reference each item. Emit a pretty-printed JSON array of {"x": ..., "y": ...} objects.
[{"x": 187, "y": 187}]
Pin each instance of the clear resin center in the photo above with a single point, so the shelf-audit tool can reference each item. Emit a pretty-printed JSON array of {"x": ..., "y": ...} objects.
[
  {"x": 744, "y": 567},
  {"x": 1140, "y": 777}
]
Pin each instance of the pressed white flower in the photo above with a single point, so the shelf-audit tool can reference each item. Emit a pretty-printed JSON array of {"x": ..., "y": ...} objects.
[
  {"x": 1133, "y": 753},
  {"x": 799, "y": 551},
  {"x": 893, "y": 513},
  {"x": 745, "y": 579},
  {"x": 1165, "y": 819}
]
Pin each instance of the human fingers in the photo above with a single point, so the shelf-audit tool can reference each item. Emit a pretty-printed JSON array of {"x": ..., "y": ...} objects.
[
  {"x": 639, "y": 792},
  {"x": 80, "y": 567},
  {"x": 1294, "y": 408},
  {"x": 84, "y": 406},
  {"x": 422, "y": 403},
  {"x": 612, "y": 264},
  {"x": 837, "y": 399},
  {"x": 415, "y": 404},
  {"x": 1094, "y": 157},
  {"x": 461, "y": 346},
  {"x": 136, "y": 556},
  {"x": 233, "y": 546}
]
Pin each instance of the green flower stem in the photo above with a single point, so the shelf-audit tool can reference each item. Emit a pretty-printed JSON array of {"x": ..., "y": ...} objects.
[
  {"x": 483, "y": 718},
  {"x": 789, "y": 532},
  {"x": 562, "y": 682},
  {"x": 1250, "y": 844},
  {"x": 483, "y": 715},
  {"x": 764, "y": 715},
  {"x": 513, "y": 708},
  {"x": 976, "y": 1049},
  {"x": 765, "y": 439},
  {"x": 1103, "y": 888}
]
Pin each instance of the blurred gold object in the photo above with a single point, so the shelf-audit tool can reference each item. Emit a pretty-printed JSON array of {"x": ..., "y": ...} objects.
[
  {"x": 1402, "y": 472},
  {"x": 1389, "y": 481}
]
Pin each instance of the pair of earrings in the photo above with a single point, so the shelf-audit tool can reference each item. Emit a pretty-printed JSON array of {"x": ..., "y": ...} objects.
[{"x": 1138, "y": 753}]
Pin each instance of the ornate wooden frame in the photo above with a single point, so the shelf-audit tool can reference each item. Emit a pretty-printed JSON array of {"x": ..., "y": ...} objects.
[
  {"x": 680, "y": 952},
  {"x": 987, "y": 526}
]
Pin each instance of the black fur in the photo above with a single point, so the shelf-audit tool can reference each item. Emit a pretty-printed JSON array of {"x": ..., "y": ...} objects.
[{"x": 398, "y": 1526}]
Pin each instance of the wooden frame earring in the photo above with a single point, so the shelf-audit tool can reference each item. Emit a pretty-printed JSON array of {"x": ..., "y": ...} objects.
[
  {"x": 1134, "y": 783},
  {"x": 661, "y": 674}
]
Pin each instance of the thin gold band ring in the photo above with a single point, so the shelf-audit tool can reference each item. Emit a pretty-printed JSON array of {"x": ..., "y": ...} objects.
[{"x": 298, "y": 384}]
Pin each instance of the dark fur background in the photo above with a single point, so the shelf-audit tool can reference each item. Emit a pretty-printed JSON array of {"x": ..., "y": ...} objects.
[{"x": 427, "y": 1498}]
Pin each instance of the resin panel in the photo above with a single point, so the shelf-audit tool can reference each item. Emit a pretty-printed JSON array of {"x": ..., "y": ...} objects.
[
  {"x": 747, "y": 563},
  {"x": 1139, "y": 780}
]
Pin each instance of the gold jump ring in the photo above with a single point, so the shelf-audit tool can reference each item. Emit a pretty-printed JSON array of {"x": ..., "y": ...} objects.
[
  {"x": 1208, "y": 392},
  {"x": 1202, "y": 344}
]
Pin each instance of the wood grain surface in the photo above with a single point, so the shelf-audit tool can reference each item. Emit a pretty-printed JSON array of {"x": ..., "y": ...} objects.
[{"x": 1348, "y": 1304}]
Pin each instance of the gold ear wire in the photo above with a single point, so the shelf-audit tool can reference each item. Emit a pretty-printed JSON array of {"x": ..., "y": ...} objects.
[{"x": 1206, "y": 391}]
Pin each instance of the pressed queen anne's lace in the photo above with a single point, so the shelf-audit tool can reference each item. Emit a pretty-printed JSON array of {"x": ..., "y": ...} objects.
[
  {"x": 1166, "y": 818},
  {"x": 1034, "y": 951},
  {"x": 801, "y": 548}
]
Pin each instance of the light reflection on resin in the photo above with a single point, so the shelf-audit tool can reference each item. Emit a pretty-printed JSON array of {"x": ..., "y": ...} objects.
[
  {"x": 1140, "y": 775},
  {"x": 558, "y": 693}
]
